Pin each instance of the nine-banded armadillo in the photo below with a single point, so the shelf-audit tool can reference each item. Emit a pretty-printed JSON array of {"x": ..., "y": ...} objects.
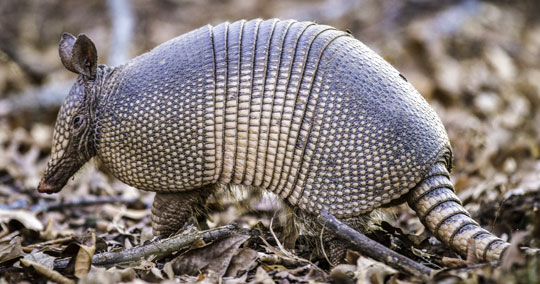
[{"x": 297, "y": 108}]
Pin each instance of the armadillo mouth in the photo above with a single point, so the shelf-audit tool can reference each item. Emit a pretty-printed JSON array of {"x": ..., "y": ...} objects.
[{"x": 47, "y": 188}]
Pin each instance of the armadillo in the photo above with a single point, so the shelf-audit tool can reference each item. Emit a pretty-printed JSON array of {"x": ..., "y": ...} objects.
[{"x": 299, "y": 109}]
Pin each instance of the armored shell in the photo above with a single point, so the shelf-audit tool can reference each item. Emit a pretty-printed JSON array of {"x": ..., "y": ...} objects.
[{"x": 301, "y": 109}]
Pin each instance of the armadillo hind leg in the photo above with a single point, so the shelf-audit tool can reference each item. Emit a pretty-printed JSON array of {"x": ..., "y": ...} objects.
[
  {"x": 170, "y": 211},
  {"x": 440, "y": 210}
]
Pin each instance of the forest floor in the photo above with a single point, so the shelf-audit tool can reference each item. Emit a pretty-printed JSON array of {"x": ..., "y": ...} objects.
[{"x": 476, "y": 62}]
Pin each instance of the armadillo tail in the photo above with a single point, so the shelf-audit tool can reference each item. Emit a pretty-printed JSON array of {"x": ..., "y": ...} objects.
[{"x": 440, "y": 210}]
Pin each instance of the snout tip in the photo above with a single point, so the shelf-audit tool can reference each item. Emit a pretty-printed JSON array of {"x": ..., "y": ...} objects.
[{"x": 47, "y": 188}]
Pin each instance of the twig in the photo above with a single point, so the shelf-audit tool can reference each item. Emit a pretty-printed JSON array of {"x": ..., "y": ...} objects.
[
  {"x": 157, "y": 248},
  {"x": 83, "y": 202},
  {"x": 280, "y": 246},
  {"x": 374, "y": 249},
  {"x": 31, "y": 247},
  {"x": 282, "y": 252}
]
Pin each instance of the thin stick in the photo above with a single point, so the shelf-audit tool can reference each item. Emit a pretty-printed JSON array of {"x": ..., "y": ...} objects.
[
  {"x": 374, "y": 249},
  {"x": 31, "y": 247},
  {"x": 157, "y": 248}
]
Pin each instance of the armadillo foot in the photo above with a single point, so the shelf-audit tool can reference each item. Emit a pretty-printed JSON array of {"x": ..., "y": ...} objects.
[{"x": 170, "y": 211}]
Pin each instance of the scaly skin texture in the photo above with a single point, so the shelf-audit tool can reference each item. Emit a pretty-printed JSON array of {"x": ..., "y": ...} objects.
[
  {"x": 300, "y": 109},
  {"x": 170, "y": 211},
  {"x": 441, "y": 212}
]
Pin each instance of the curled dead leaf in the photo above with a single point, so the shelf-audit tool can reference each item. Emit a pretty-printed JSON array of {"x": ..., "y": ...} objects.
[
  {"x": 344, "y": 273},
  {"x": 371, "y": 271},
  {"x": 41, "y": 258},
  {"x": 81, "y": 255},
  {"x": 108, "y": 276},
  {"x": 10, "y": 249},
  {"x": 47, "y": 272},
  {"x": 213, "y": 257},
  {"x": 513, "y": 254},
  {"x": 262, "y": 277},
  {"x": 26, "y": 218},
  {"x": 83, "y": 260},
  {"x": 242, "y": 261}
]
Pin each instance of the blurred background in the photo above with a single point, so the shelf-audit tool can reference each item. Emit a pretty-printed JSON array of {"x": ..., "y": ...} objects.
[{"x": 476, "y": 62}]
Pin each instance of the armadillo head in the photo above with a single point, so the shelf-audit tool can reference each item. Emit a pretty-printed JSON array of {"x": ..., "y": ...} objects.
[{"x": 73, "y": 134}]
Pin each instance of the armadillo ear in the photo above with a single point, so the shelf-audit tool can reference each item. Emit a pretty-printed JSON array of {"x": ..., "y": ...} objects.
[
  {"x": 79, "y": 54},
  {"x": 84, "y": 56},
  {"x": 66, "y": 45}
]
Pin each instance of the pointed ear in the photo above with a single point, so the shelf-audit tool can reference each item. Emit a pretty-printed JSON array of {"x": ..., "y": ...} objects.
[
  {"x": 79, "y": 54},
  {"x": 66, "y": 45},
  {"x": 84, "y": 56}
]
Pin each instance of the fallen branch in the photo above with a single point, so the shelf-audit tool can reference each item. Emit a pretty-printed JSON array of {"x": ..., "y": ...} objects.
[
  {"x": 374, "y": 249},
  {"x": 157, "y": 248}
]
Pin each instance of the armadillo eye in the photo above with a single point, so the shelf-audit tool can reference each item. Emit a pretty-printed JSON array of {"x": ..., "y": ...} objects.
[{"x": 77, "y": 121}]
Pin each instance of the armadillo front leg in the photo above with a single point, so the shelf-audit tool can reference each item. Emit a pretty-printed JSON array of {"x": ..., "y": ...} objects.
[
  {"x": 170, "y": 211},
  {"x": 441, "y": 211},
  {"x": 335, "y": 247}
]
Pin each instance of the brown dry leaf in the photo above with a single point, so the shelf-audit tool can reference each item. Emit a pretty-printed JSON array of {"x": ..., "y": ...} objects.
[
  {"x": 49, "y": 232},
  {"x": 351, "y": 256},
  {"x": 147, "y": 270},
  {"x": 152, "y": 275},
  {"x": 262, "y": 277},
  {"x": 275, "y": 267},
  {"x": 168, "y": 269},
  {"x": 210, "y": 277},
  {"x": 26, "y": 218},
  {"x": 41, "y": 258},
  {"x": 289, "y": 275},
  {"x": 10, "y": 249},
  {"x": 371, "y": 271},
  {"x": 239, "y": 280},
  {"x": 47, "y": 272},
  {"x": 514, "y": 255},
  {"x": 83, "y": 260},
  {"x": 113, "y": 275},
  {"x": 198, "y": 244},
  {"x": 243, "y": 261},
  {"x": 146, "y": 234},
  {"x": 215, "y": 256},
  {"x": 343, "y": 273}
]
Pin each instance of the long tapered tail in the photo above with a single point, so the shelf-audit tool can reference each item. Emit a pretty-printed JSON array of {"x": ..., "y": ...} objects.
[{"x": 441, "y": 211}]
